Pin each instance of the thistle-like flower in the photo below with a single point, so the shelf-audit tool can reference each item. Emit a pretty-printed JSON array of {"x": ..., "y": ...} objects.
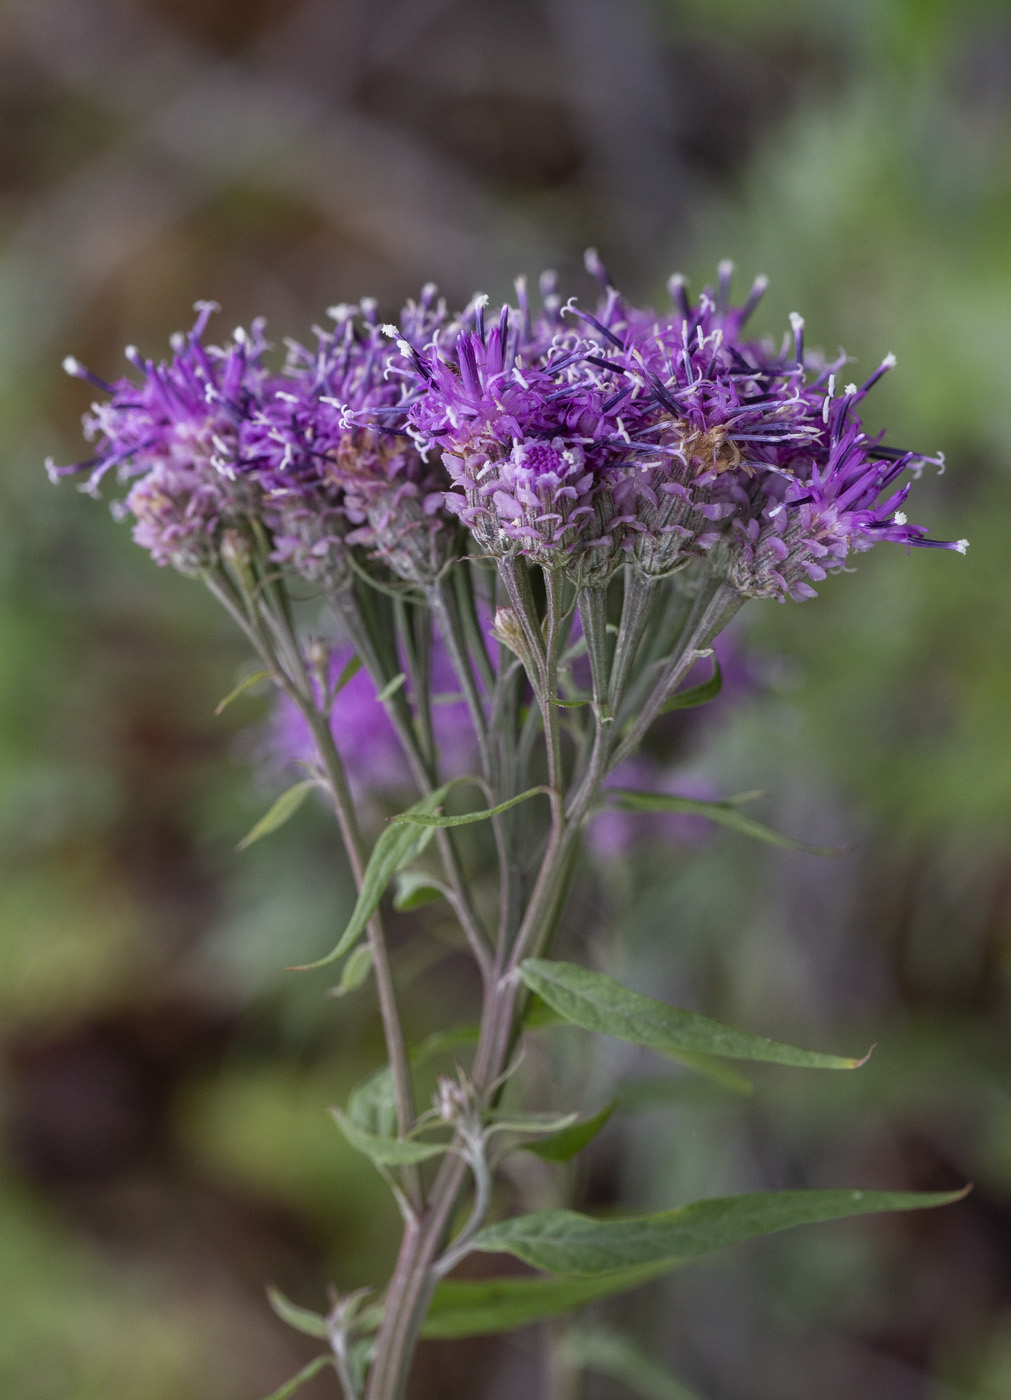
[
  {"x": 336, "y": 470},
  {"x": 177, "y": 436}
]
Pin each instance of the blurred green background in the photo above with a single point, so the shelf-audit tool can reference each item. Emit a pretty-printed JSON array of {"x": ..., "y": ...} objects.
[{"x": 163, "y": 1079}]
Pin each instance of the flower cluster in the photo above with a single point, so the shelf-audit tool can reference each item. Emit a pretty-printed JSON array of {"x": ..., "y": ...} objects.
[
  {"x": 580, "y": 441},
  {"x": 585, "y": 441},
  {"x": 211, "y": 439}
]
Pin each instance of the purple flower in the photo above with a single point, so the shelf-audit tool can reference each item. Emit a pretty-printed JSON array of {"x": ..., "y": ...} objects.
[
  {"x": 626, "y": 436},
  {"x": 177, "y": 436},
  {"x": 210, "y": 439},
  {"x": 826, "y": 504},
  {"x": 328, "y": 448},
  {"x": 526, "y": 435}
]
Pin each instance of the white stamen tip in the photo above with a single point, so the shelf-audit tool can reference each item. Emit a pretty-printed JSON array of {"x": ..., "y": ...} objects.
[
  {"x": 392, "y": 331},
  {"x": 429, "y": 290},
  {"x": 899, "y": 518},
  {"x": 760, "y": 283},
  {"x": 481, "y": 301},
  {"x": 961, "y": 546},
  {"x": 796, "y": 321},
  {"x": 725, "y": 268},
  {"x": 405, "y": 348},
  {"x": 72, "y": 366},
  {"x": 133, "y": 354},
  {"x": 889, "y": 362},
  {"x": 850, "y": 389}
]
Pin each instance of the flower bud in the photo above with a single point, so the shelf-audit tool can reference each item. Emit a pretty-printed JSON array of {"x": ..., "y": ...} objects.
[{"x": 506, "y": 628}]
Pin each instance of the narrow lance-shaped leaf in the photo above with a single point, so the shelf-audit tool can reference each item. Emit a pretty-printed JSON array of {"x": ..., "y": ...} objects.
[
  {"x": 598, "y": 1003},
  {"x": 415, "y": 888},
  {"x": 349, "y": 670},
  {"x": 563, "y": 1145},
  {"x": 386, "y": 1151},
  {"x": 396, "y": 847},
  {"x": 313, "y": 1324},
  {"x": 723, "y": 813},
  {"x": 464, "y": 1309},
  {"x": 240, "y": 689},
  {"x": 354, "y": 972},
  {"x": 698, "y": 694},
  {"x": 416, "y": 818},
  {"x": 391, "y": 687},
  {"x": 282, "y": 810},
  {"x": 563, "y": 1241},
  {"x": 539, "y": 1014}
]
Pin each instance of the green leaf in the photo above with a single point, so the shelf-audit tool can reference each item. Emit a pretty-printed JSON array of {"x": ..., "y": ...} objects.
[
  {"x": 464, "y": 1309},
  {"x": 313, "y": 1324},
  {"x": 391, "y": 687},
  {"x": 609, "y": 1354},
  {"x": 283, "y": 809},
  {"x": 416, "y": 818},
  {"x": 563, "y": 1241},
  {"x": 563, "y": 1145},
  {"x": 415, "y": 888},
  {"x": 386, "y": 1151},
  {"x": 597, "y": 1003},
  {"x": 354, "y": 972},
  {"x": 350, "y": 669},
  {"x": 372, "y": 1107},
  {"x": 242, "y": 686},
  {"x": 397, "y": 846},
  {"x": 698, "y": 694},
  {"x": 724, "y": 813},
  {"x": 306, "y": 1374}
]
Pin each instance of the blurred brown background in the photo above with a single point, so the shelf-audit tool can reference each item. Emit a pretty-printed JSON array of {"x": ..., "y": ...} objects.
[{"x": 163, "y": 1084}]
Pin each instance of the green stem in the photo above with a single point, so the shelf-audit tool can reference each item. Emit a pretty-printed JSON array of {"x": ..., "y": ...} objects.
[
  {"x": 296, "y": 685},
  {"x": 360, "y": 625},
  {"x": 714, "y": 606}
]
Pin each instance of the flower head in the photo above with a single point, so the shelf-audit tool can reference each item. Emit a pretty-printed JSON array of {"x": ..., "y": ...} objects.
[
  {"x": 177, "y": 436},
  {"x": 327, "y": 448}
]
